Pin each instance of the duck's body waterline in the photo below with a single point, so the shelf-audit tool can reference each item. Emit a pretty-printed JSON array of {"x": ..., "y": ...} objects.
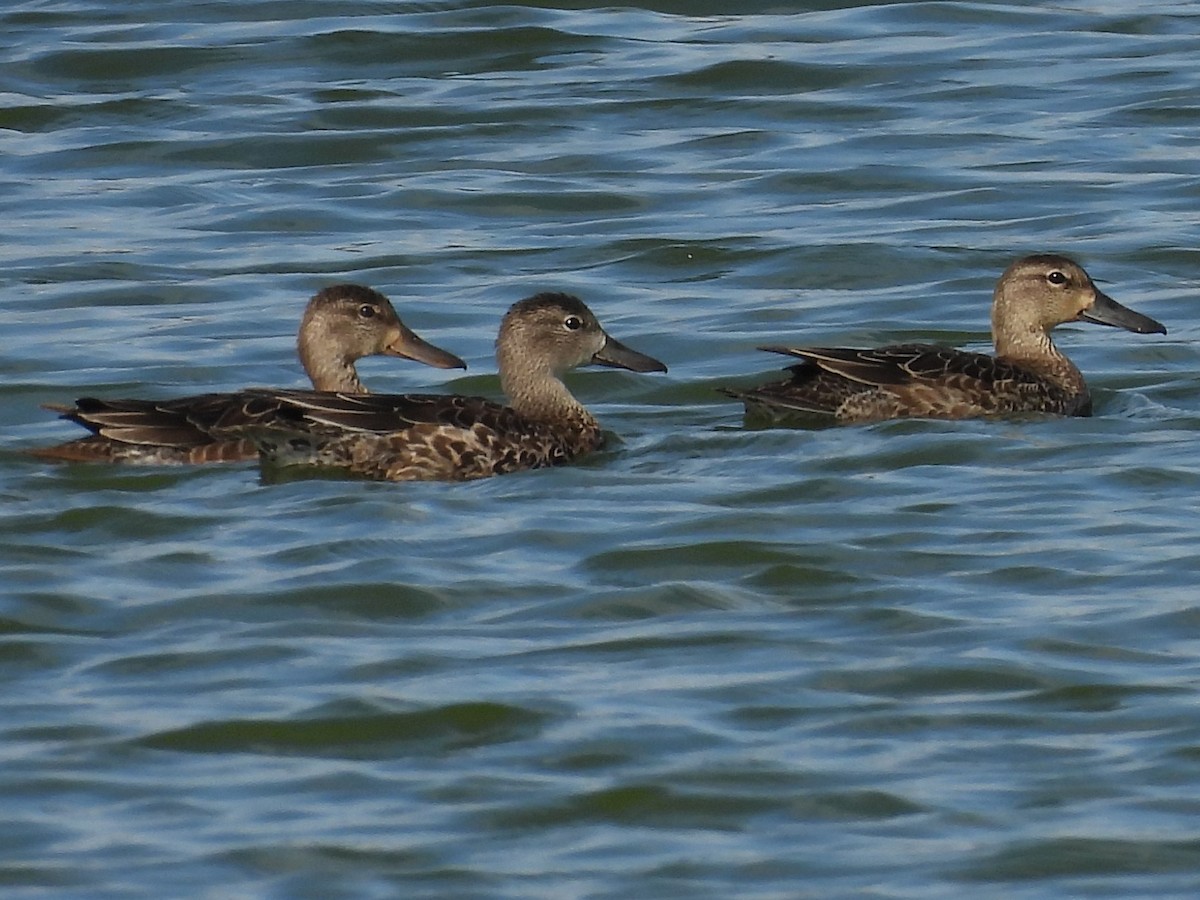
[
  {"x": 340, "y": 428},
  {"x": 1028, "y": 374},
  {"x": 341, "y": 324},
  {"x": 452, "y": 438}
]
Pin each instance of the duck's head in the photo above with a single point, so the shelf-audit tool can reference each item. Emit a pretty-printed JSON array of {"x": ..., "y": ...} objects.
[
  {"x": 1038, "y": 292},
  {"x": 346, "y": 322},
  {"x": 552, "y": 332}
]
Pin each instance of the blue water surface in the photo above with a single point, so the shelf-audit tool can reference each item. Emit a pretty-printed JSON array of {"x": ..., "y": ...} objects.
[{"x": 913, "y": 659}]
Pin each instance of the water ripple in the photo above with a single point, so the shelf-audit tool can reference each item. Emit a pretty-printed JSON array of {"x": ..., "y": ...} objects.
[{"x": 902, "y": 659}]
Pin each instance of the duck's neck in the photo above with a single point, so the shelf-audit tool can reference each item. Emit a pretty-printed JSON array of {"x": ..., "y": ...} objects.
[
  {"x": 329, "y": 372},
  {"x": 541, "y": 396},
  {"x": 1031, "y": 348}
]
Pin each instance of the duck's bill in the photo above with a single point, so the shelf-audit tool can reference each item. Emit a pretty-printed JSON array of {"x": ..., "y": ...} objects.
[
  {"x": 1107, "y": 311},
  {"x": 407, "y": 345},
  {"x": 616, "y": 354}
]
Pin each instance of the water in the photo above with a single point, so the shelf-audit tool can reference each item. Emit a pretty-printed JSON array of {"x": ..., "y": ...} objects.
[{"x": 913, "y": 659}]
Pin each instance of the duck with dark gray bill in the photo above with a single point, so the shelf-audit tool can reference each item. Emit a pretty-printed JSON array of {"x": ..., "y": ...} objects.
[
  {"x": 1028, "y": 374},
  {"x": 341, "y": 325},
  {"x": 415, "y": 437}
]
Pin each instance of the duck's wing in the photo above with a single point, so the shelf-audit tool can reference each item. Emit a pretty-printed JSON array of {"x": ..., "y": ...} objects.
[
  {"x": 197, "y": 429},
  {"x": 409, "y": 437},
  {"x": 332, "y": 412},
  {"x": 830, "y": 377},
  {"x": 898, "y": 364},
  {"x": 182, "y": 430},
  {"x": 181, "y": 422},
  {"x": 902, "y": 380}
]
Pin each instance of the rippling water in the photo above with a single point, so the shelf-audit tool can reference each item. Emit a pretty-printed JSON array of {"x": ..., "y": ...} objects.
[{"x": 917, "y": 659}]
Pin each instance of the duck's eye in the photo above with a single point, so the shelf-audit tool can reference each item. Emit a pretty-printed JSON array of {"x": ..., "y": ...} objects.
[
  {"x": 572, "y": 323},
  {"x": 367, "y": 311},
  {"x": 1056, "y": 277}
]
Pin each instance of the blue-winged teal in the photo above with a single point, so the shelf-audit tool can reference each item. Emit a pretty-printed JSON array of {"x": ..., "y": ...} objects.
[
  {"x": 341, "y": 325},
  {"x": 1028, "y": 374},
  {"x": 410, "y": 437}
]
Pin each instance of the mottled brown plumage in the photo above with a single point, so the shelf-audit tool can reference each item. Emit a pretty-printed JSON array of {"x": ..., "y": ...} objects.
[
  {"x": 412, "y": 437},
  {"x": 341, "y": 324},
  {"x": 1028, "y": 374}
]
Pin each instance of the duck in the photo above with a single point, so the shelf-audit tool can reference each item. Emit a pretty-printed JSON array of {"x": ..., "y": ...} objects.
[
  {"x": 415, "y": 437},
  {"x": 341, "y": 324},
  {"x": 1028, "y": 375}
]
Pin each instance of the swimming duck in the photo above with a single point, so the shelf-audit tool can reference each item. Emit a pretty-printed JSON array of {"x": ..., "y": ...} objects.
[
  {"x": 1028, "y": 374},
  {"x": 341, "y": 324},
  {"x": 412, "y": 437}
]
